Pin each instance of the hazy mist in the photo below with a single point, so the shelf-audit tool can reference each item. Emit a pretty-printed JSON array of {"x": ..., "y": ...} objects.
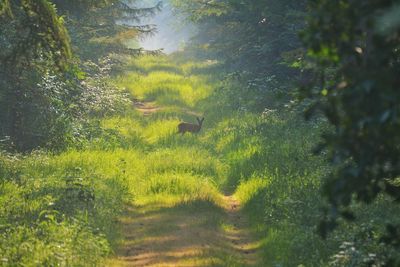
[{"x": 173, "y": 31}]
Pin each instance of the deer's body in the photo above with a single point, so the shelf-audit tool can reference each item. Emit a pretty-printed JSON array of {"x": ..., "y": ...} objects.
[{"x": 184, "y": 127}]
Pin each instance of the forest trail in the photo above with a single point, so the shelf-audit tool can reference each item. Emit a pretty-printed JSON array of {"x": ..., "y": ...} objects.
[
  {"x": 193, "y": 234},
  {"x": 144, "y": 107},
  {"x": 181, "y": 229}
]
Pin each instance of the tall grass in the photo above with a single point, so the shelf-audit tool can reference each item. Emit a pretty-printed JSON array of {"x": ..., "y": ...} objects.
[{"x": 55, "y": 213}]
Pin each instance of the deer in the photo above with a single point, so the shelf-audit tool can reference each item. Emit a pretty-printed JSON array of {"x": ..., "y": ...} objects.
[{"x": 184, "y": 127}]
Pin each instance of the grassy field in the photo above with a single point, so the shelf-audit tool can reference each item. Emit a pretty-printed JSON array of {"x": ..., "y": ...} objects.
[{"x": 244, "y": 191}]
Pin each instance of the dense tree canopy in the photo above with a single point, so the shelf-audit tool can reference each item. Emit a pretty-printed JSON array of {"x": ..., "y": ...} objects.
[
  {"x": 43, "y": 33},
  {"x": 249, "y": 35}
]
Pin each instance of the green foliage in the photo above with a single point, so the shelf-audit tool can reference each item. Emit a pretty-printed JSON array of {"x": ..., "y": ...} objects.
[
  {"x": 264, "y": 157},
  {"x": 64, "y": 207},
  {"x": 278, "y": 180},
  {"x": 198, "y": 10},
  {"x": 256, "y": 42},
  {"x": 357, "y": 65},
  {"x": 34, "y": 100},
  {"x": 52, "y": 216},
  {"x": 5, "y": 8}
]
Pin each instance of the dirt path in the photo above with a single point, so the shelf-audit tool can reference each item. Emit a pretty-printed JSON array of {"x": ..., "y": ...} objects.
[
  {"x": 195, "y": 234},
  {"x": 239, "y": 235},
  {"x": 146, "y": 108}
]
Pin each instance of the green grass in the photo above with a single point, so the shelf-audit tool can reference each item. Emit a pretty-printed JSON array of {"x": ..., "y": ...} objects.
[{"x": 62, "y": 209}]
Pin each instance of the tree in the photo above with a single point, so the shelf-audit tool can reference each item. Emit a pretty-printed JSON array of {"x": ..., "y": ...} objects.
[
  {"x": 34, "y": 39},
  {"x": 256, "y": 39},
  {"x": 354, "y": 46},
  {"x": 99, "y": 28}
]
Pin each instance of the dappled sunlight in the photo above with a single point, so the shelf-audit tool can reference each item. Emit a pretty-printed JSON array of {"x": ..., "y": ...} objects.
[{"x": 186, "y": 234}]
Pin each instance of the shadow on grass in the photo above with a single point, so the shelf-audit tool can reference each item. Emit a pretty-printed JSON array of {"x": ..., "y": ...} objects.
[
  {"x": 157, "y": 68},
  {"x": 206, "y": 70},
  {"x": 166, "y": 97},
  {"x": 166, "y": 68}
]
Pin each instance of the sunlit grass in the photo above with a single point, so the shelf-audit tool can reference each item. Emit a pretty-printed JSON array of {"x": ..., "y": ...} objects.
[
  {"x": 248, "y": 190},
  {"x": 159, "y": 130},
  {"x": 177, "y": 169},
  {"x": 161, "y": 171},
  {"x": 166, "y": 83},
  {"x": 188, "y": 159},
  {"x": 166, "y": 88},
  {"x": 186, "y": 187}
]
